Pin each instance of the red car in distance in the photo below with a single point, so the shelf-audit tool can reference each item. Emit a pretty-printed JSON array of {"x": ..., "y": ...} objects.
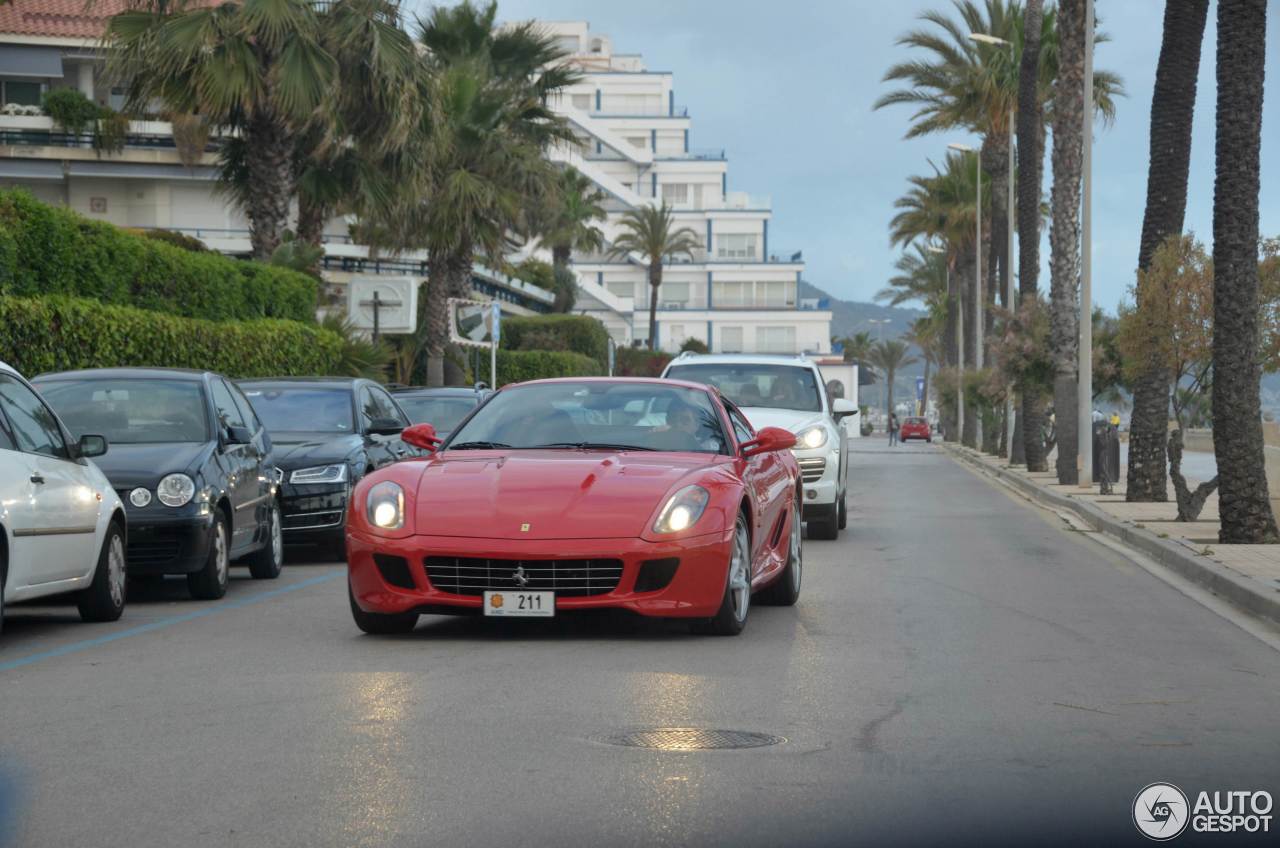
[
  {"x": 915, "y": 428},
  {"x": 654, "y": 496}
]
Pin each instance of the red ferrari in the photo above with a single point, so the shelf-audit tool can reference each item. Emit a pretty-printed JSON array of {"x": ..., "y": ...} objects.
[
  {"x": 654, "y": 496},
  {"x": 915, "y": 428}
]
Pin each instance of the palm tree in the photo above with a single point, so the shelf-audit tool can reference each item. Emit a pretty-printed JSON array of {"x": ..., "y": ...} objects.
[
  {"x": 926, "y": 334},
  {"x": 650, "y": 232},
  {"x": 1172, "y": 107},
  {"x": 1064, "y": 234},
  {"x": 922, "y": 276},
  {"x": 569, "y": 224},
  {"x": 1030, "y": 128},
  {"x": 1244, "y": 502},
  {"x": 889, "y": 356}
]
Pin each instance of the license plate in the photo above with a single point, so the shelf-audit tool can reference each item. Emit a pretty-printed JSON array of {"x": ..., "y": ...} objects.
[{"x": 520, "y": 604}]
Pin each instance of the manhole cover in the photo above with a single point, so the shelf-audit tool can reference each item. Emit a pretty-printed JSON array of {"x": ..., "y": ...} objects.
[{"x": 692, "y": 739}]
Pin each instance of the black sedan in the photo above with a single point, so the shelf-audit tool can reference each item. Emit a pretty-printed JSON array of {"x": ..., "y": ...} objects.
[
  {"x": 328, "y": 432},
  {"x": 192, "y": 464},
  {"x": 442, "y": 408}
]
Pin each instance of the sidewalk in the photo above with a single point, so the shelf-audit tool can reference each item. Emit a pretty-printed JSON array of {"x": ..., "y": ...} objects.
[{"x": 1246, "y": 575}]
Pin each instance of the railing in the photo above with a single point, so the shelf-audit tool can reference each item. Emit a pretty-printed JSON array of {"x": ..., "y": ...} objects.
[
  {"x": 785, "y": 256},
  {"x": 51, "y": 138},
  {"x": 710, "y": 154}
]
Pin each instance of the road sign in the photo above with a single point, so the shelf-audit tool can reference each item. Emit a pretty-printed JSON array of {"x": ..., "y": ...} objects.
[
  {"x": 383, "y": 304},
  {"x": 471, "y": 322}
]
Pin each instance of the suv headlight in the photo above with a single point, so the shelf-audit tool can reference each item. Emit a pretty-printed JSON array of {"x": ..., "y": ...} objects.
[
  {"x": 320, "y": 474},
  {"x": 176, "y": 490},
  {"x": 814, "y": 437},
  {"x": 682, "y": 510},
  {"x": 384, "y": 506}
]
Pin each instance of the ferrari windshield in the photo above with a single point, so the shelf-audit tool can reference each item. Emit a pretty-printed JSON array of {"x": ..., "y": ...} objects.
[
  {"x": 606, "y": 415},
  {"x": 131, "y": 411},
  {"x": 756, "y": 385}
]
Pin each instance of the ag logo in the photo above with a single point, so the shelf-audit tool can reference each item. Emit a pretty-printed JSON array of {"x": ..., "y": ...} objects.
[{"x": 1161, "y": 811}]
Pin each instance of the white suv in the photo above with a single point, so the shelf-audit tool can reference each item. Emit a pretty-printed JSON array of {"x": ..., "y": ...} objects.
[
  {"x": 62, "y": 526},
  {"x": 789, "y": 392}
]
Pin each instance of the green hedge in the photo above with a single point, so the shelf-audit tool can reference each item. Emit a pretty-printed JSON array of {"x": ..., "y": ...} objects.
[
  {"x": 576, "y": 333},
  {"x": 640, "y": 362},
  {"x": 45, "y": 250},
  {"x": 518, "y": 366},
  {"x": 60, "y": 334}
]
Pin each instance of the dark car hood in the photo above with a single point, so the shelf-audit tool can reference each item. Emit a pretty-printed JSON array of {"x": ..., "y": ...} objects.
[
  {"x": 290, "y": 451},
  {"x": 127, "y": 466},
  {"x": 546, "y": 494}
]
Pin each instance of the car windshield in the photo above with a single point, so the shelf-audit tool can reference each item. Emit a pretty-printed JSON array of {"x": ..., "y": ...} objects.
[
  {"x": 756, "y": 385},
  {"x": 621, "y": 415},
  {"x": 131, "y": 411},
  {"x": 304, "y": 409},
  {"x": 443, "y": 413}
]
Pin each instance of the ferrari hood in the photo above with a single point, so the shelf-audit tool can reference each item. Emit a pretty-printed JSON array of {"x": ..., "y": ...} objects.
[
  {"x": 548, "y": 494},
  {"x": 795, "y": 420}
]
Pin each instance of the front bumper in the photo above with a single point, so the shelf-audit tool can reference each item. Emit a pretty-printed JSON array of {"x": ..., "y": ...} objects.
[
  {"x": 313, "y": 512},
  {"x": 696, "y": 589},
  {"x": 175, "y": 545},
  {"x": 819, "y": 474}
]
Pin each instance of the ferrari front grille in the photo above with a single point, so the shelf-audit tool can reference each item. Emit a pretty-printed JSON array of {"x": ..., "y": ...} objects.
[
  {"x": 811, "y": 468},
  {"x": 566, "y": 577}
]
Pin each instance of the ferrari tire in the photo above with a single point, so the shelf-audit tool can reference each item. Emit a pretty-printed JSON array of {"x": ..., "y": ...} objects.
[
  {"x": 267, "y": 563},
  {"x": 210, "y": 582},
  {"x": 103, "y": 599},
  {"x": 826, "y": 527},
  {"x": 786, "y": 589},
  {"x": 736, "y": 604},
  {"x": 380, "y": 624}
]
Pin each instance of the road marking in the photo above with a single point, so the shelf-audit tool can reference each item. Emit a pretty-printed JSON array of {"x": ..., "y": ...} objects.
[{"x": 75, "y": 647}]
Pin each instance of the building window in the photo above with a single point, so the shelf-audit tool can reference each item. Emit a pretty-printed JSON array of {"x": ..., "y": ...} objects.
[
  {"x": 736, "y": 246},
  {"x": 22, "y": 93},
  {"x": 774, "y": 293},
  {"x": 568, "y": 43},
  {"x": 582, "y": 101},
  {"x": 621, "y": 288},
  {"x": 674, "y": 293},
  {"x": 675, "y": 193},
  {"x": 776, "y": 339},
  {"x": 730, "y": 339},
  {"x": 731, "y": 294}
]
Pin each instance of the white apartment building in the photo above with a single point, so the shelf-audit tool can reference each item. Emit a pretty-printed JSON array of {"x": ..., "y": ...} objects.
[{"x": 740, "y": 291}]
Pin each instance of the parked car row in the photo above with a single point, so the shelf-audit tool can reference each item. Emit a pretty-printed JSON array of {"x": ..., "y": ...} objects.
[{"x": 114, "y": 473}]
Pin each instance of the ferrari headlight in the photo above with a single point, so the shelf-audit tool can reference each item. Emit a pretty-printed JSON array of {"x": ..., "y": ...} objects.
[
  {"x": 385, "y": 506},
  {"x": 320, "y": 474},
  {"x": 814, "y": 437},
  {"x": 176, "y": 490},
  {"x": 682, "y": 510}
]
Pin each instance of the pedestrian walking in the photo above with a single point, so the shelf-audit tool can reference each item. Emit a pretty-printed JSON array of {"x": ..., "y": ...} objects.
[{"x": 893, "y": 429}]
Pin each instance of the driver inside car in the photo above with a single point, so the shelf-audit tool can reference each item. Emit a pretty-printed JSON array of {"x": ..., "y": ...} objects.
[{"x": 683, "y": 430}]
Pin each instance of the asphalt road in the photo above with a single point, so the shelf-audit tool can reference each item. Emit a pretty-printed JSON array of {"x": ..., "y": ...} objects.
[{"x": 960, "y": 667}]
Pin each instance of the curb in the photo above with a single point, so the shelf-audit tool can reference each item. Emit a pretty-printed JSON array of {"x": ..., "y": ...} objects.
[{"x": 1241, "y": 591}]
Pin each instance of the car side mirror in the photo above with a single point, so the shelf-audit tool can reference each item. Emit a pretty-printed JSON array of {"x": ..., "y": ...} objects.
[
  {"x": 385, "y": 427},
  {"x": 91, "y": 446},
  {"x": 768, "y": 440},
  {"x": 239, "y": 435},
  {"x": 421, "y": 436},
  {"x": 843, "y": 407}
]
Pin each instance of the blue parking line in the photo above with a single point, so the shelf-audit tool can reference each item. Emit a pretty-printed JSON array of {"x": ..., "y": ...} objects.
[{"x": 165, "y": 622}]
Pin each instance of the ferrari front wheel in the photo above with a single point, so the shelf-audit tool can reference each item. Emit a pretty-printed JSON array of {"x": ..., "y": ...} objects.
[
  {"x": 380, "y": 624},
  {"x": 735, "y": 606}
]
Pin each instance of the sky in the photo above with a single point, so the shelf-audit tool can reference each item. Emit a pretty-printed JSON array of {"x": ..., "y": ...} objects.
[{"x": 787, "y": 89}]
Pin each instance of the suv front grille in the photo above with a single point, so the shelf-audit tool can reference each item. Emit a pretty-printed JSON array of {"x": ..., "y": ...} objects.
[
  {"x": 566, "y": 577},
  {"x": 811, "y": 468}
]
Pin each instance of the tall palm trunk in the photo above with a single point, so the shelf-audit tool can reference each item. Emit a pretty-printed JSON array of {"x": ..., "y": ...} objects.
[
  {"x": 924, "y": 395},
  {"x": 270, "y": 165},
  {"x": 1030, "y": 124},
  {"x": 1172, "y": 107},
  {"x": 972, "y": 315},
  {"x": 951, "y": 344},
  {"x": 655, "y": 282},
  {"x": 888, "y": 382},
  {"x": 312, "y": 216},
  {"x": 996, "y": 147},
  {"x": 561, "y": 257},
  {"x": 1244, "y": 502},
  {"x": 1064, "y": 234},
  {"x": 449, "y": 276}
]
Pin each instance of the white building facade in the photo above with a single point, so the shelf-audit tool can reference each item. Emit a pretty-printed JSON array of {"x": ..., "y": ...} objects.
[{"x": 740, "y": 292}]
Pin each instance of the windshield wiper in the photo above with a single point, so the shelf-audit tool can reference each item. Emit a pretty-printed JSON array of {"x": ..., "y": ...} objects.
[
  {"x": 478, "y": 446},
  {"x": 593, "y": 446}
]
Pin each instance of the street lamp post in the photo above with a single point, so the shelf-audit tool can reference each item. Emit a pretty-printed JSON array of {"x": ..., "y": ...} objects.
[
  {"x": 1008, "y": 256},
  {"x": 977, "y": 269},
  {"x": 933, "y": 248},
  {"x": 1084, "y": 388}
]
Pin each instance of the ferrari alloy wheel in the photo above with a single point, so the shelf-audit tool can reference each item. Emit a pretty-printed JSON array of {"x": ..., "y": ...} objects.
[
  {"x": 103, "y": 600},
  {"x": 380, "y": 624},
  {"x": 210, "y": 582},
  {"x": 735, "y": 606},
  {"x": 786, "y": 589}
]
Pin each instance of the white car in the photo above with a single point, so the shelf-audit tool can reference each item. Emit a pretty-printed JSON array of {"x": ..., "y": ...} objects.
[
  {"x": 788, "y": 392},
  {"x": 62, "y": 526}
]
